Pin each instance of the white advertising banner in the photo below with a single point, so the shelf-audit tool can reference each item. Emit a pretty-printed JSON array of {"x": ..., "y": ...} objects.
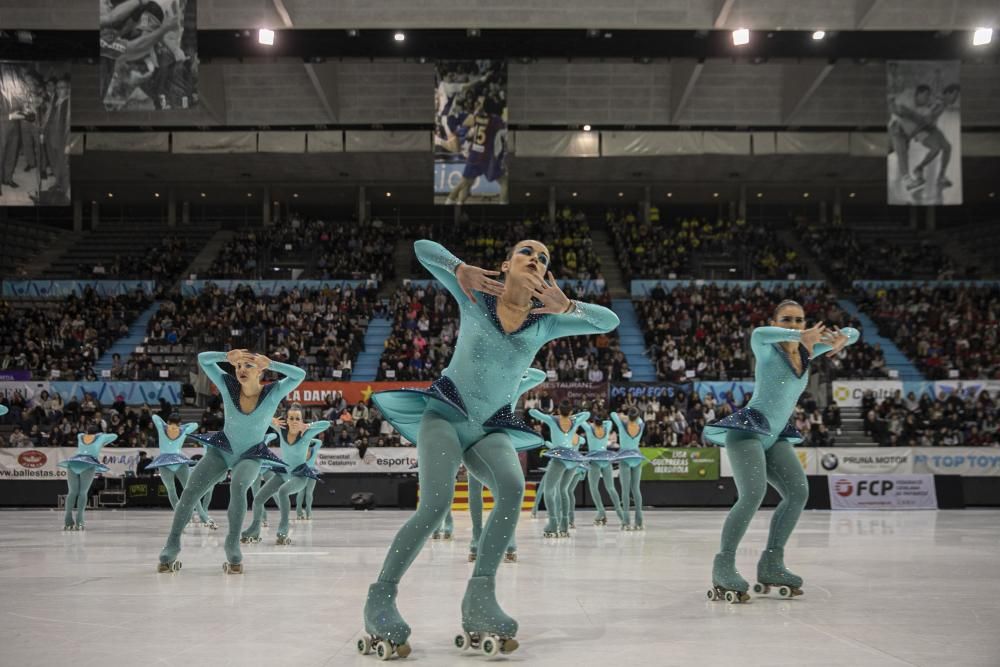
[
  {"x": 879, "y": 492},
  {"x": 848, "y": 394},
  {"x": 965, "y": 461},
  {"x": 43, "y": 463},
  {"x": 865, "y": 460}
]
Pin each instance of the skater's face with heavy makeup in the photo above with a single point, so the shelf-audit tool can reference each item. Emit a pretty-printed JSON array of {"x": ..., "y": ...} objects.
[
  {"x": 528, "y": 258},
  {"x": 790, "y": 316},
  {"x": 295, "y": 421},
  {"x": 248, "y": 373}
]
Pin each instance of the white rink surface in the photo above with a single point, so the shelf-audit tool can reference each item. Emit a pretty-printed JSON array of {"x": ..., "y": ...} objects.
[{"x": 882, "y": 588}]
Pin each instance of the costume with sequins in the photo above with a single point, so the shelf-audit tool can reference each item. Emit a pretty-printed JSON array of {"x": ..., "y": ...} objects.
[
  {"x": 466, "y": 416},
  {"x": 759, "y": 441},
  {"x": 173, "y": 465},
  {"x": 239, "y": 447},
  {"x": 81, "y": 469},
  {"x": 630, "y": 461},
  {"x": 288, "y": 479},
  {"x": 304, "y": 500},
  {"x": 561, "y": 473},
  {"x": 601, "y": 460}
]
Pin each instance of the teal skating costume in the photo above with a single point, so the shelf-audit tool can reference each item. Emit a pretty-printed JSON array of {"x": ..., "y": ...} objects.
[
  {"x": 175, "y": 466},
  {"x": 601, "y": 460},
  {"x": 466, "y": 416},
  {"x": 287, "y": 481},
  {"x": 630, "y": 461},
  {"x": 531, "y": 379},
  {"x": 240, "y": 447},
  {"x": 758, "y": 440},
  {"x": 80, "y": 472},
  {"x": 560, "y": 475},
  {"x": 304, "y": 500}
]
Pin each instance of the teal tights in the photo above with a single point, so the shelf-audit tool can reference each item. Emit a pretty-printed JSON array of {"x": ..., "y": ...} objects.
[
  {"x": 304, "y": 500},
  {"x": 439, "y": 454},
  {"x": 631, "y": 477},
  {"x": 183, "y": 474},
  {"x": 283, "y": 487},
  {"x": 595, "y": 475},
  {"x": 753, "y": 468},
  {"x": 79, "y": 488},
  {"x": 205, "y": 475},
  {"x": 476, "y": 513}
]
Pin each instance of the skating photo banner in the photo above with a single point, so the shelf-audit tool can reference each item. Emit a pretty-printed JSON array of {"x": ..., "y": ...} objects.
[
  {"x": 470, "y": 132},
  {"x": 149, "y": 54},
  {"x": 924, "y": 167},
  {"x": 34, "y": 133}
]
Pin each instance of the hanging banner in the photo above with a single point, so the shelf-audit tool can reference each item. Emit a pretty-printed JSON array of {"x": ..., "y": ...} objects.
[
  {"x": 470, "y": 132},
  {"x": 882, "y": 492},
  {"x": 681, "y": 463},
  {"x": 924, "y": 167},
  {"x": 149, "y": 54},
  {"x": 34, "y": 134},
  {"x": 579, "y": 394},
  {"x": 642, "y": 390},
  {"x": 316, "y": 393}
]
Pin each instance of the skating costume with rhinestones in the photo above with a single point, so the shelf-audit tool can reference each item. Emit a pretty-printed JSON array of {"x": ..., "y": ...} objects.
[
  {"x": 170, "y": 456},
  {"x": 597, "y": 447},
  {"x": 628, "y": 444},
  {"x": 476, "y": 390},
  {"x": 244, "y": 435},
  {"x": 86, "y": 454},
  {"x": 777, "y": 387},
  {"x": 296, "y": 455},
  {"x": 564, "y": 446},
  {"x": 316, "y": 444}
]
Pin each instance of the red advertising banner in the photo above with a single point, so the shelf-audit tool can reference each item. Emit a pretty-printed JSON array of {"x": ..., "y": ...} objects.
[{"x": 316, "y": 393}]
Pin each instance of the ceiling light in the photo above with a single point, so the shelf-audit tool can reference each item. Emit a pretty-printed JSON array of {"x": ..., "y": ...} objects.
[
  {"x": 818, "y": 35},
  {"x": 265, "y": 36},
  {"x": 741, "y": 36},
  {"x": 982, "y": 36},
  {"x": 399, "y": 37}
]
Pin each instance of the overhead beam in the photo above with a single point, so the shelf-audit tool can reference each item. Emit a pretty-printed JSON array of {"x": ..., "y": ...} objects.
[
  {"x": 799, "y": 85},
  {"x": 324, "y": 80},
  {"x": 724, "y": 7},
  {"x": 286, "y": 18},
  {"x": 683, "y": 78},
  {"x": 864, "y": 10}
]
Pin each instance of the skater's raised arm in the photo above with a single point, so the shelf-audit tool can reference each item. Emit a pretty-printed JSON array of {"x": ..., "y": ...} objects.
[
  {"x": 458, "y": 277},
  {"x": 314, "y": 429},
  {"x": 209, "y": 362},
  {"x": 836, "y": 340}
]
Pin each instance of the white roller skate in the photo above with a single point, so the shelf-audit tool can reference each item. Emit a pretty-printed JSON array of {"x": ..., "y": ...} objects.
[{"x": 282, "y": 540}]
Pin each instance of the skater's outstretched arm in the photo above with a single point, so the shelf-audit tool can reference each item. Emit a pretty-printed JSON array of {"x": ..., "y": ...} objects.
[
  {"x": 847, "y": 336},
  {"x": 580, "y": 419},
  {"x": 314, "y": 429},
  {"x": 546, "y": 419},
  {"x": 293, "y": 378},
  {"x": 445, "y": 267},
  {"x": 581, "y": 319},
  {"x": 531, "y": 379}
]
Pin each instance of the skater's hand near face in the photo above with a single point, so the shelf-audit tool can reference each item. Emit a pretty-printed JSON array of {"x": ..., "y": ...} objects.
[
  {"x": 473, "y": 279},
  {"x": 234, "y": 356},
  {"x": 812, "y": 336},
  {"x": 836, "y": 339},
  {"x": 554, "y": 302},
  {"x": 279, "y": 423},
  {"x": 260, "y": 361}
]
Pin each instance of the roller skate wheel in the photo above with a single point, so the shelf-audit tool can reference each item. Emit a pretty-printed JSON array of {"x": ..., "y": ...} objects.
[
  {"x": 232, "y": 568},
  {"x": 364, "y": 646},
  {"x": 510, "y": 557},
  {"x": 712, "y": 595},
  {"x": 173, "y": 566},
  {"x": 472, "y": 558},
  {"x": 564, "y": 533},
  {"x": 383, "y": 650},
  {"x": 403, "y": 650},
  {"x": 446, "y": 536},
  {"x": 491, "y": 646},
  {"x": 508, "y": 645},
  {"x": 549, "y": 535},
  {"x": 732, "y": 597},
  {"x": 264, "y": 523},
  {"x": 463, "y": 641},
  {"x": 436, "y": 535},
  {"x": 572, "y": 526},
  {"x": 761, "y": 589},
  {"x": 785, "y": 592}
]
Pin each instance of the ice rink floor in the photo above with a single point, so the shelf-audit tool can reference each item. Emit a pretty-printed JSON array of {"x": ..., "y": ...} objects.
[{"x": 881, "y": 588}]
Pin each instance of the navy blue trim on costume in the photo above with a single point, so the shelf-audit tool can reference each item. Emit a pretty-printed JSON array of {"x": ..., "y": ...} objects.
[
  {"x": 790, "y": 432},
  {"x": 803, "y": 355},
  {"x": 216, "y": 439},
  {"x": 602, "y": 455},
  {"x": 565, "y": 454},
  {"x": 626, "y": 454},
  {"x": 504, "y": 418},
  {"x": 318, "y": 475},
  {"x": 86, "y": 459},
  {"x": 491, "y": 310},
  {"x": 169, "y": 460},
  {"x": 746, "y": 419},
  {"x": 233, "y": 387},
  {"x": 304, "y": 470},
  {"x": 260, "y": 452}
]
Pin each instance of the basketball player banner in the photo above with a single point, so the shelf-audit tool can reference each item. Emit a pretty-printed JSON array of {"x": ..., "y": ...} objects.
[
  {"x": 924, "y": 166},
  {"x": 149, "y": 54},
  {"x": 470, "y": 132},
  {"x": 34, "y": 133},
  {"x": 882, "y": 492}
]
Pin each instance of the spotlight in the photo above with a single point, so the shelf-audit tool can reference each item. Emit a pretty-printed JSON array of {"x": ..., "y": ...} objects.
[
  {"x": 295, "y": 195},
  {"x": 741, "y": 36},
  {"x": 249, "y": 194},
  {"x": 586, "y": 128},
  {"x": 111, "y": 195},
  {"x": 760, "y": 195},
  {"x": 993, "y": 195},
  {"x": 399, "y": 37},
  {"x": 982, "y": 36},
  {"x": 472, "y": 32},
  {"x": 715, "y": 195},
  {"x": 265, "y": 36},
  {"x": 852, "y": 195},
  {"x": 805, "y": 195},
  {"x": 818, "y": 35},
  {"x": 527, "y": 194},
  {"x": 388, "y": 194},
  {"x": 202, "y": 195},
  {"x": 621, "y": 194},
  {"x": 574, "y": 194},
  {"x": 593, "y": 32},
  {"x": 156, "y": 194},
  {"x": 670, "y": 194},
  {"x": 352, "y": 32}
]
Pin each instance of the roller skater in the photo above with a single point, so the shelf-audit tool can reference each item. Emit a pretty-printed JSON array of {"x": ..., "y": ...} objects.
[
  {"x": 173, "y": 464},
  {"x": 630, "y": 461},
  {"x": 465, "y": 416},
  {"x": 240, "y": 447},
  {"x": 81, "y": 470},
  {"x": 304, "y": 500},
  {"x": 560, "y": 474},
  {"x": 759, "y": 442},
  {"x": 294, "y": 438},
  {"x": 601, "y": 461}
]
